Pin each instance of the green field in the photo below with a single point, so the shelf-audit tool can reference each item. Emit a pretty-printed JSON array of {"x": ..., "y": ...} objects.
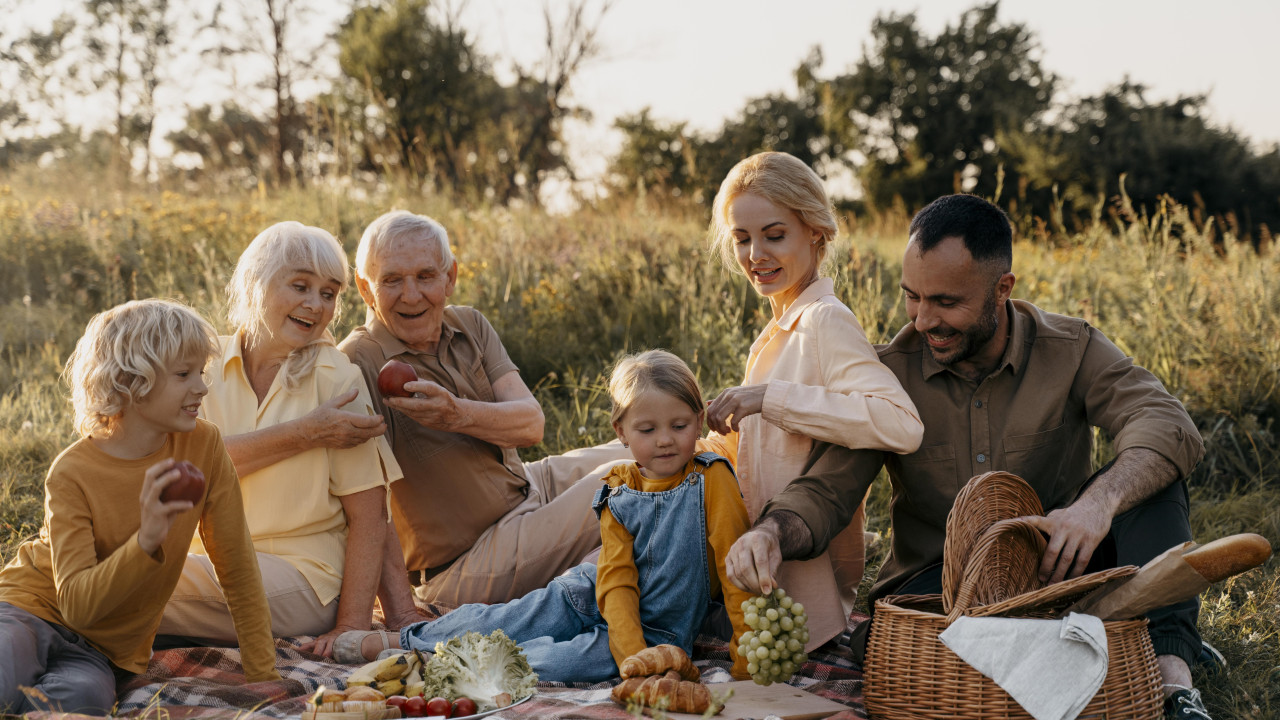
[{"x": 569, "y": 294}]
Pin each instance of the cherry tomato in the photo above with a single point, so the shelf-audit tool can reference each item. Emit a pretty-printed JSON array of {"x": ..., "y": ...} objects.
[
  {"x": 462, "y": 707},
  {"x": 438, "y": 706},
  {"x": 415, "y": 706}
]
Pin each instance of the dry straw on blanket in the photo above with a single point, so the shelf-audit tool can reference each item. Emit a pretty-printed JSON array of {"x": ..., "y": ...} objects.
[{"x": 990, "y": 568}]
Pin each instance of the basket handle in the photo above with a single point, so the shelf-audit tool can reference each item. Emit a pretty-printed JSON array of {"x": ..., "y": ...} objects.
[{"x": 977, "y": 561}]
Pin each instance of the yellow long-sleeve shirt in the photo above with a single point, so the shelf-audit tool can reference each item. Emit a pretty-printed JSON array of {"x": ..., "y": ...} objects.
[
  {"x": 617, "y": 581},
  {"x": 87, "y": 572}
]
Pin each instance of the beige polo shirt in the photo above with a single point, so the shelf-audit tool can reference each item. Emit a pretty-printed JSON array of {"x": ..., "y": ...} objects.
[
  {"x": 455, "y": 486},
  {"x": 293, "y": 506}
]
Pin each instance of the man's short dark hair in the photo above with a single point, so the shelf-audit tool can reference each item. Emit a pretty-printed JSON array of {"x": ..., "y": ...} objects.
[{"x": 982, "y": 225}]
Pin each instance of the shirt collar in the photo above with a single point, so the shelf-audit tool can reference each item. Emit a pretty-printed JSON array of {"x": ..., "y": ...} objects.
[
  {"x": 393, "y": 346},
  {"x": 233, "y": 355},
  {"x": 1015, "y": 350},
  {"x": 818, "y": 289}
]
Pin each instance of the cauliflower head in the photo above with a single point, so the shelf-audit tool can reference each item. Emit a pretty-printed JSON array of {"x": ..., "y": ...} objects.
[{"x": 490, "y": 669}]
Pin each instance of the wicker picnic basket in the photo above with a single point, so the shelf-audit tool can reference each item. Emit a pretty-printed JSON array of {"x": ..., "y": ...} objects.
[{"x": 990, "y": 567}]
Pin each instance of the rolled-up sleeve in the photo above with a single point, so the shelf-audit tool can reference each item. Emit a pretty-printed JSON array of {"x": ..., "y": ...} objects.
[{"x": 828, "y": 491}]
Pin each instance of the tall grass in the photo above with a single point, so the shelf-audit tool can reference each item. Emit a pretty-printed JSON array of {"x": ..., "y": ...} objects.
[{"x": 568, "y": 295}]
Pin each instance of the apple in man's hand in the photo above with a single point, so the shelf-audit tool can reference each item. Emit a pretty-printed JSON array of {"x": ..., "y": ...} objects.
[
  {"x": 189, "y": 486},
  {"x": 393, "y": 376}
]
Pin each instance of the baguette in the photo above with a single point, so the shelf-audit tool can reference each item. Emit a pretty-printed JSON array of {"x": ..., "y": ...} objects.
[
  {"x": 666, "y": 692},
  {"x": 657, "y": 660},
  {"x": 1228, "y": 556}
]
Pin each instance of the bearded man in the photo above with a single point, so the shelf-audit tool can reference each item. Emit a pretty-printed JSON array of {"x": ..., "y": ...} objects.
[{"x": 1003, "y": 385}]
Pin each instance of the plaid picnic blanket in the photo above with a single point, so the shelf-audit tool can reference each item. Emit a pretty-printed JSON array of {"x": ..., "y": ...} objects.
[{"x": 207, "y": 683}]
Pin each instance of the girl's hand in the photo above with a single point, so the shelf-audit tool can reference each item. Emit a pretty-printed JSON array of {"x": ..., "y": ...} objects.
[
  {"x": 157, "y": 516},
  {"x": 736, "y": 403}
]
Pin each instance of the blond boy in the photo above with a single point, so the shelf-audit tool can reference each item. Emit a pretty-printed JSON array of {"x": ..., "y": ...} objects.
[{"x": 79, "y": 604}]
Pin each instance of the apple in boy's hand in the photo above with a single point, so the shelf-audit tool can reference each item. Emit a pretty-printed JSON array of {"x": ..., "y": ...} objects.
[
  {"x": 189, "y": 486},
  {"x": 393, "y": 376}
]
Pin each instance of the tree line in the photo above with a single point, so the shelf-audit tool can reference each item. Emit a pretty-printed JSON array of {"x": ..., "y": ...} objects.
[{"x": 971, "y": 108}]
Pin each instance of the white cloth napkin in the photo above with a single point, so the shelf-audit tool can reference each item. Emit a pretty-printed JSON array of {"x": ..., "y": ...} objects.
[{"x": 1052, "y": 668}]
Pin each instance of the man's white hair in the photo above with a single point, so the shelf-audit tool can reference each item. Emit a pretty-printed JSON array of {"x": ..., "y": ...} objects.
[{"x": 393, "y": 226}]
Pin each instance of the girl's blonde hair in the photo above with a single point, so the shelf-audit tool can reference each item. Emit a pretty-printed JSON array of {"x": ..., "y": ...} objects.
[
  {"x": 637, "y": 374},
  {"x": 284, "y": 248},
  {"x": 783, "y": 180},
  {"x": 124, "y": 354}
]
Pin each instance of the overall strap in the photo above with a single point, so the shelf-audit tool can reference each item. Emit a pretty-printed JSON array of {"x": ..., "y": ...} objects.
[
  {"x": 601, "y": 498},
  {"x": 704, "y": 460}
]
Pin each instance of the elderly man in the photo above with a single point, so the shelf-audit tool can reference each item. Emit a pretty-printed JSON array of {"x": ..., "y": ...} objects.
[
  {"x": 475, "y": 523},
  {"x": 1003, "y": 385}
]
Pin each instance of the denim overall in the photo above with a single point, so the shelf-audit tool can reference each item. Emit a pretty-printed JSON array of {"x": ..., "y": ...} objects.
[{"x": 560, "y": 627}]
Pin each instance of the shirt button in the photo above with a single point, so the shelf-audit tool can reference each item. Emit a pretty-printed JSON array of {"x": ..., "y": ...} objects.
[
  {"x": 982, "y": 458},
  {"x": 978, "y": 404}
]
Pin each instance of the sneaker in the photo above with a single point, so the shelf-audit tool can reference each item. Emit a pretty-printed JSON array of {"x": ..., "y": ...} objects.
[
  {"x": 1185, "y": 704},
  {"x": 1210, "y": 660}
]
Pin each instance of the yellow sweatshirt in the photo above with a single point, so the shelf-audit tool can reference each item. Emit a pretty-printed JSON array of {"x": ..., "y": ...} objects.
[{"x": 86, "y": 571}]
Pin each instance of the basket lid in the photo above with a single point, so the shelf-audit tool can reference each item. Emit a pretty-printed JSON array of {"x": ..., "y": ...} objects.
[{"x": 982, "y": 502}]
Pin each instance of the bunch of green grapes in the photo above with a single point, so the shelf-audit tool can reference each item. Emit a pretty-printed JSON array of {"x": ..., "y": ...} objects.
[{"x": 774, "y": 646}]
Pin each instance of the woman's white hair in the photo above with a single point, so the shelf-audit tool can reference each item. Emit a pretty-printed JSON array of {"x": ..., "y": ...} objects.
[
  {"x": 284, "y": 248},
  {"x": 393, "y": 226}
]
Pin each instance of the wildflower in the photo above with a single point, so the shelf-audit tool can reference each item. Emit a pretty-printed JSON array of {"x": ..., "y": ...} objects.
[{"x": 582, "y": 429}]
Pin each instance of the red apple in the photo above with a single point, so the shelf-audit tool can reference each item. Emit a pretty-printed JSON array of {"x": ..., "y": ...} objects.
[
  {"x": 397, "y": 701},
  {"x": 189, "y": 486},
  {"x": 415, "y": 706},
  {"x": 393, "y": 376},
  {"x": 438, "y": 706},
  {"x": 462, "y": 707}
]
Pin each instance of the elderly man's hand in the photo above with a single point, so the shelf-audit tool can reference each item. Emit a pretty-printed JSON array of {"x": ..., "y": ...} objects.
[
  {"x": 753, "y": 561},
  {"x": 431, "y": 406},
  {"x": 1074, "y": 533},
  {"x": 332, "y": 427},
  {"x": 736, "y": 403}
]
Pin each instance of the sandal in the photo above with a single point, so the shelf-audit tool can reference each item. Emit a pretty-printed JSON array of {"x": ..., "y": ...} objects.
[{"x": 347, "y": 648}]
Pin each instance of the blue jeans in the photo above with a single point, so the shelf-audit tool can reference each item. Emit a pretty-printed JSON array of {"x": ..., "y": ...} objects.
[
  {"x": 559, "y": 627},
  {"x": 53, "y": 660}
]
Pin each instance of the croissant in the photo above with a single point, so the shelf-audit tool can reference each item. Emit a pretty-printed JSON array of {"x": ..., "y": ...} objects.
[
  {"x": 665, "y": 691},
  {"x": 657, "y": 660}
]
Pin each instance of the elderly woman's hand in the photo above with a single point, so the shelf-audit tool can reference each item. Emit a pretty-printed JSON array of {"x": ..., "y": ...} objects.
[
  {"x": 332, "y": 427},
  {"x": 725, "y": 413}
]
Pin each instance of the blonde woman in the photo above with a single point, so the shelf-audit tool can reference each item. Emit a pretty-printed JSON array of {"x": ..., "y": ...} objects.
[
  {"x": 811, "y": 375},
  {"x": 313, "y": 466}
]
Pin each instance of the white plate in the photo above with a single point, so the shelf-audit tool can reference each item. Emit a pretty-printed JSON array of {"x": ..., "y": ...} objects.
[{"x": 486, "y": 713}]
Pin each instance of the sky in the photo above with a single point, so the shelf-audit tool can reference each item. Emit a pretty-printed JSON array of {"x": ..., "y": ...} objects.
[{"x": 700, "y": 60}]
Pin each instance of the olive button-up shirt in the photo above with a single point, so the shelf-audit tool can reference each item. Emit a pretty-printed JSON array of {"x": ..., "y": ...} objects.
[{"x": 1032, "y": 416}]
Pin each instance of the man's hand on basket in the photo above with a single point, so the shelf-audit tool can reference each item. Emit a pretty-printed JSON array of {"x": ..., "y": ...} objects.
[{"x": 1074, "y": 533}]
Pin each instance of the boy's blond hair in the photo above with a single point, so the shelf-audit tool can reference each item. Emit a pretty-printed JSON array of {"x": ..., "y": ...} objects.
[
  {"x": 125, "y": 352},
  {"x": 637, "y": 374},
  {"x": 283, "y": 248}
]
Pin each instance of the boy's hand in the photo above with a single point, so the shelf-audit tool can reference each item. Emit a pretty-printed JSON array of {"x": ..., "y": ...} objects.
[{"x": 157, "y": 516}]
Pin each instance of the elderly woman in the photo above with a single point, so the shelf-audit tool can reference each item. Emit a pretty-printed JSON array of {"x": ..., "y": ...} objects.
[
  {"x": 314, "y": 469},
  {"x": 811, "y": 374}
]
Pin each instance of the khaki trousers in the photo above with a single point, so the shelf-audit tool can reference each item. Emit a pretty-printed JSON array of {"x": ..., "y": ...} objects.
[
  {"x": 198, "y": 609},
  {"x": 548, "y": 533}
]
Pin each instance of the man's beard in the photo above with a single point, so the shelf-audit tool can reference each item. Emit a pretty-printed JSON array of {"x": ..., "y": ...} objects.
[{"x": 974, "y": 337}]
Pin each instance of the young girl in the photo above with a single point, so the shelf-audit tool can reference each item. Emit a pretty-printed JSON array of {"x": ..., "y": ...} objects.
[
  {"x": 80, "y": 603},
  {"x": 666, "y": 522}
]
